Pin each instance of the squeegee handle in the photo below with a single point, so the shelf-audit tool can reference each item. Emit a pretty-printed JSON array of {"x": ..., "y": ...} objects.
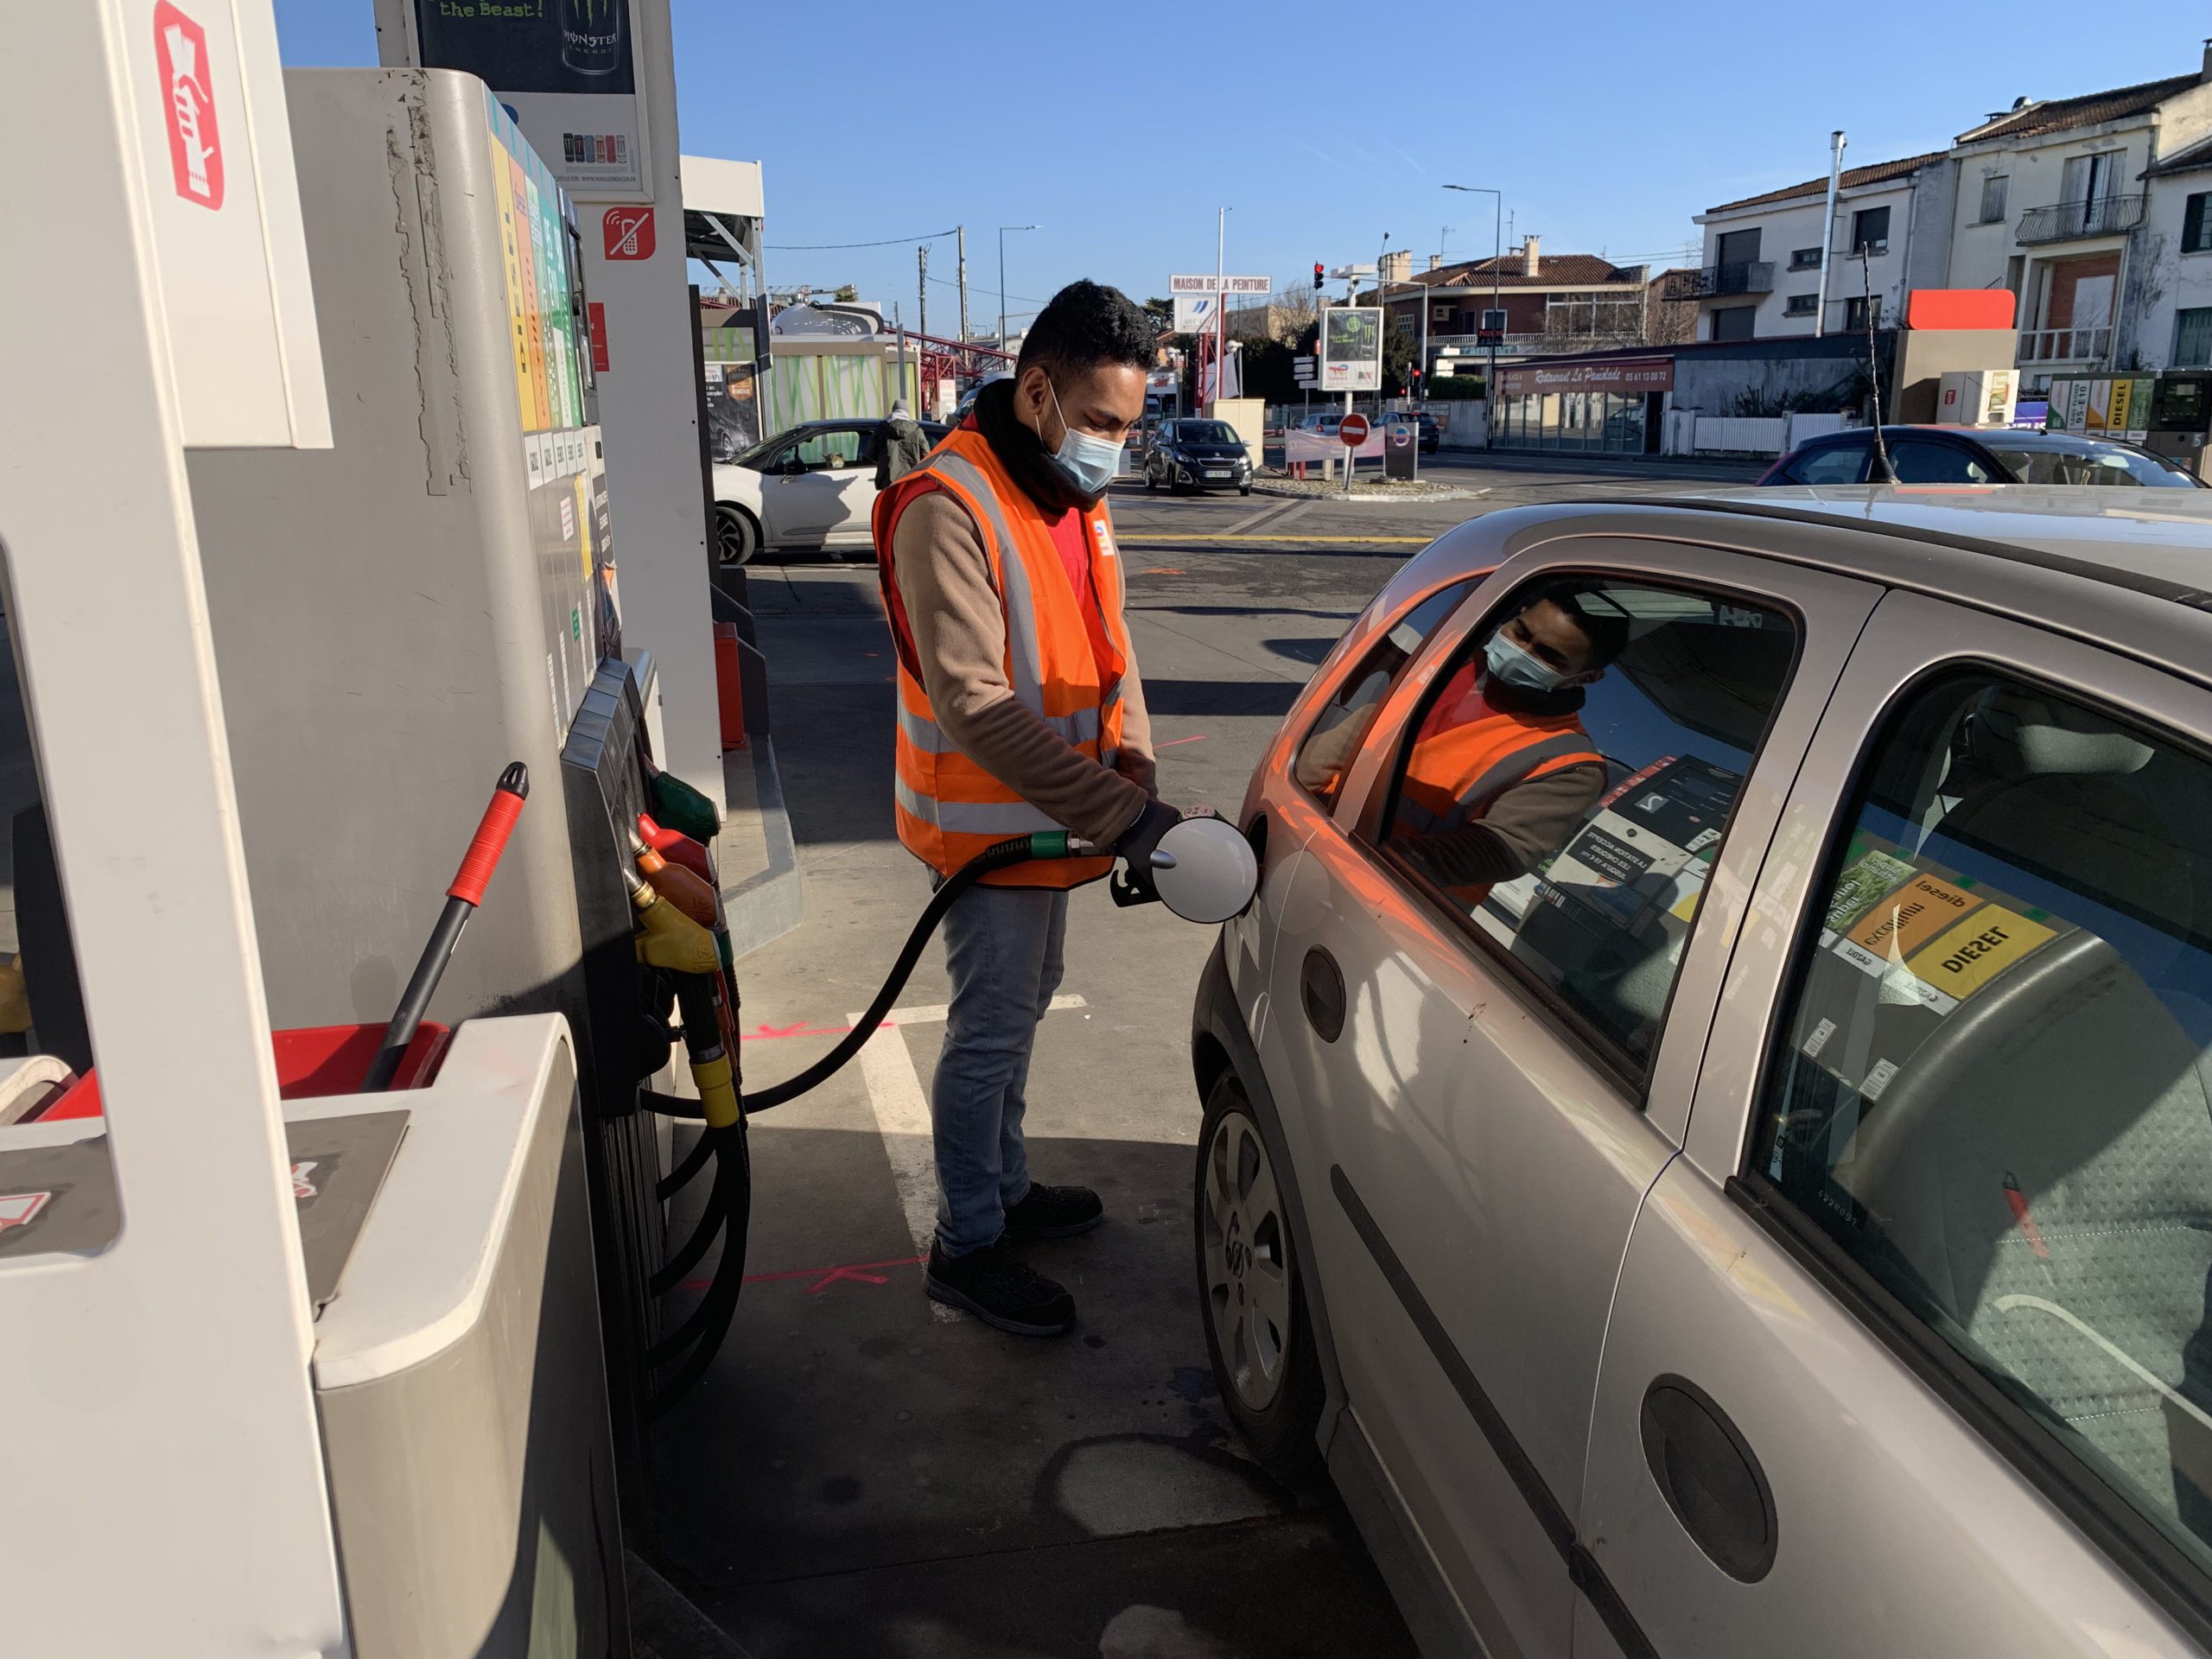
[
  {"x": 461, "y": 900},
  {"x": 491, "y": 837}
]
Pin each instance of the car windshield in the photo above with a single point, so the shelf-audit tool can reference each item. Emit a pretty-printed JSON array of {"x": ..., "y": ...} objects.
[
  {"x": 757, "y": 457},
  {"x": 1202, "y": 432},
  {"x": 2087, "y": 463}
]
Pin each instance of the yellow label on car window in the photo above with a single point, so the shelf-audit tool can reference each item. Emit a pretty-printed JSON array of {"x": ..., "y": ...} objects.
[
  {"x": 1908, "y": 919},
  {"x": 1979, "y": 949}
]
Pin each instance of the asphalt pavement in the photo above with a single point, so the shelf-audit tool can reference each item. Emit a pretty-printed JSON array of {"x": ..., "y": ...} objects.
[{"x": 864, "y": 1474}]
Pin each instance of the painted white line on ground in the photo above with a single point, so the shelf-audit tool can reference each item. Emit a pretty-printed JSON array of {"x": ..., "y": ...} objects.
[
  {"x": 933, "y": 1013},
  {"x": 902, "y": 1118}
]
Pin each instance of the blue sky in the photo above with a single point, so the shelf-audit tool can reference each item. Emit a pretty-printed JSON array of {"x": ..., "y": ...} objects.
[{"x": 1120, "y": 128}]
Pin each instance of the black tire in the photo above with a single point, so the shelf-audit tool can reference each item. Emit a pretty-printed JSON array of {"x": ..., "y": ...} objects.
[
  {"x": 1150, "y": 482},
  {"x": 1279, "y": 1432},
  {"x": 1243, "y": 489},
  {"x": 737, "y": 535}
]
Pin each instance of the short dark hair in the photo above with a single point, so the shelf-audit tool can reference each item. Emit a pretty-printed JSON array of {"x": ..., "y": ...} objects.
[
  {"x": 1087, "y": 325},
  {"x": 1602, "y": 624}
]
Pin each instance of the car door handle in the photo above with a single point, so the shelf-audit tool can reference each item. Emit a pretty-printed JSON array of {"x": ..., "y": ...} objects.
[
  {"x": 1321, "y": 993},
  {"x": 1710, "y": 1477}
]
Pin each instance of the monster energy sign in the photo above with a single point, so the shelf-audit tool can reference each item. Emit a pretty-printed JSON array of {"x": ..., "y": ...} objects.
[{"x": 565, "y": 69}]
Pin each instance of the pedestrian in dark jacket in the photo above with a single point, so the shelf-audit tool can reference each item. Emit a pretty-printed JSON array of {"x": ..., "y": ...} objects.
[{"x": 900, "y": 443}]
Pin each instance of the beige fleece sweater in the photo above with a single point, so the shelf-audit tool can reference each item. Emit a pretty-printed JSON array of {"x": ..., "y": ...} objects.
[{"x": 944, "y": 576}]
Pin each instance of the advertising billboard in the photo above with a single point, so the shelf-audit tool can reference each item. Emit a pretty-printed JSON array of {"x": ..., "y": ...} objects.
[
  {"x": 565, "y": 69},
  {"x": 1351, "y": 349}
]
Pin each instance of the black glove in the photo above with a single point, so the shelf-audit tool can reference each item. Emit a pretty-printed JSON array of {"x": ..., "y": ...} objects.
[{"x": 1138, "y": 840}]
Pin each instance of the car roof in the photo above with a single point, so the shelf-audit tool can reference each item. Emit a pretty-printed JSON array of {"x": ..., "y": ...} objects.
[
  {"x": 2139, "y": 537},
  {"x": 2128, "y": 568}
]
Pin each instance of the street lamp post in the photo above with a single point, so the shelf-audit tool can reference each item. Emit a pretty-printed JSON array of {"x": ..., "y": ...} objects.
[
  {"x": 1003, "y": 229},
  {"x": 1496, "y": 277},
  {"x": 1220, "y": 301}
]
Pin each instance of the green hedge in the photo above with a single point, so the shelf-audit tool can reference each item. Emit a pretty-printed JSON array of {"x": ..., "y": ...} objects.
[{"x": 1457, "y": 385}]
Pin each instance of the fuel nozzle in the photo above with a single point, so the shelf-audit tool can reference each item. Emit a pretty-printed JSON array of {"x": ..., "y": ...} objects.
[{"x": 666, "y": 937}]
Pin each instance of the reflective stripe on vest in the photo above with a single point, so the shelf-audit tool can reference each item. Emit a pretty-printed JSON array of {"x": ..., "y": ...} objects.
[
  {"x": 1537, "y": 752},
  {"x": 949, "y": 807}
]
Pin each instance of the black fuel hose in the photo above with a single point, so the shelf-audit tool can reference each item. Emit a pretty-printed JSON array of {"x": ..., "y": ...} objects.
[
  {"x": 679, "y": 1178},
  {"x": 729, "y": 1210},
  {"x": 1020, "y": 849}
]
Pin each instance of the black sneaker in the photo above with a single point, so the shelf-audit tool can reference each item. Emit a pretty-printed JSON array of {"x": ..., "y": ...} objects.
[
  {"x": 1054, "y": 1212},
  {"x": 999, "y": 1288}
]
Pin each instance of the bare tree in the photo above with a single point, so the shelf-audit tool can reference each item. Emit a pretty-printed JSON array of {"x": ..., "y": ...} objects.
[{"x": 1294, "y": 310}]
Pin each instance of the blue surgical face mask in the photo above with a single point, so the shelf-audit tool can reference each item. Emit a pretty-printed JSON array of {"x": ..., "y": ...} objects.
[
  {"x": 1086, "y": 461},
  {"x": 1511, "y": 665}
]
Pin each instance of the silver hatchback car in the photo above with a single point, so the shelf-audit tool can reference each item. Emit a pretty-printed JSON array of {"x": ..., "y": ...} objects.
[{"x": 1709, "y": 1120}]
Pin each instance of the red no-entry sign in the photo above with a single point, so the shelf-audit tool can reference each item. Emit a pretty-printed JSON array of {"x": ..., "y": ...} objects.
[{"x": 1353, "y": 431}]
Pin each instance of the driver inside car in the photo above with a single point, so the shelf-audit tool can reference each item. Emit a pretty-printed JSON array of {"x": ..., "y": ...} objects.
[{"x": 1502, "y": 773}]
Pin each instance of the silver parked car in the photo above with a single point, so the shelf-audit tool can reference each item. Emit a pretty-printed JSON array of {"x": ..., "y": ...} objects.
[{"x": 1728, "y": 1171}]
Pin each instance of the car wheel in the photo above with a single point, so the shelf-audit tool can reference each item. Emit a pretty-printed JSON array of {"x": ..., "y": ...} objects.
[
  {"x": 1258, "y": 1332},
  {"x": 1243, "y": 489},
  {"x": 737, "y": 534},
  {"x": 1150, "y": 482}
]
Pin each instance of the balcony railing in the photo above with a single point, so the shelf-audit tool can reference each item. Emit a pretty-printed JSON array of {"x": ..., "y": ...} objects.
[
  {"x": 2067, "y": 221},
  {"x": 2064, "y": 345},
  {"x": 1748, "y": 276}
]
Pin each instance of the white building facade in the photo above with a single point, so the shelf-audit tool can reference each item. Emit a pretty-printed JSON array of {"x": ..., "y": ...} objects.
[
  {"x": 2170, "y": 301},
  {"x": 2092, "y": 211},
  {"x": 1762, "y": 271},
  {"x": 2051, "y": 203}
]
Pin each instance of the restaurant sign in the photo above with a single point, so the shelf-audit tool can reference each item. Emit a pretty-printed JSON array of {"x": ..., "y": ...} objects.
[{"x": 1619, "y": 374}]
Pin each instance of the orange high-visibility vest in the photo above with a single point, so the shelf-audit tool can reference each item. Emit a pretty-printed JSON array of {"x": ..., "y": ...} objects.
[
  {"x": 948, "y": 807},
  {"x": 1453, "y": 775}
]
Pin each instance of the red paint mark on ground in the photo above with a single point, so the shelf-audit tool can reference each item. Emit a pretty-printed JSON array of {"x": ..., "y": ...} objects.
[
  {"x": 864, "y": 1273},
  {"x": 1166, "y": 571},
  {"x": 767, "y": 1034},
  {"x": 1172, "y": 741}
]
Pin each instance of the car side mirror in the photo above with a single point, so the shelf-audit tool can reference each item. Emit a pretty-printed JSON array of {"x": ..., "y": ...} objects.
[{"x": 793, "y": 467}]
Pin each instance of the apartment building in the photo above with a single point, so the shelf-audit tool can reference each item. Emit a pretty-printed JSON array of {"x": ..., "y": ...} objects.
[
  {"x": 1762, "y": 271},
  {"x": 2171, "y": 315},
  {"x": 2052, "y": 203},
  {"x": 1552, "y": 301},
  {"x": 2081, "y": 206}
]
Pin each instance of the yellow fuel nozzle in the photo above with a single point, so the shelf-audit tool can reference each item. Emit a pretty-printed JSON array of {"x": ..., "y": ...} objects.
[{"x": 666, "y": 937}]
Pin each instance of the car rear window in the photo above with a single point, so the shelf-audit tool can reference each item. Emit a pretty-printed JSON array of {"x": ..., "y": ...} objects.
[{"x": 2098, "y": 463}]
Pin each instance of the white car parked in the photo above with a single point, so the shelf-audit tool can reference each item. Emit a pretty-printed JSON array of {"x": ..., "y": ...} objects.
[{"x": 811, "y": 487}]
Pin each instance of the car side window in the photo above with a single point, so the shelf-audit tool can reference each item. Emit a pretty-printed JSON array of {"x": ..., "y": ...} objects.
[
  {"x": 1832, "y": 465},
  {"x": 1993, "y": 1085},
  {"x": 1334, "y": 742},
  {"x": 1566, "y": 783},
  {"x": 836, "y": 450},
  {"x": 1916, "y": 461},
  {"x": 1840, "y": 463}
]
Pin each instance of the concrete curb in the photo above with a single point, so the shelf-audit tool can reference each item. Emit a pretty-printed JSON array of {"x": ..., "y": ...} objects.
[
  {"x": 772, "y": 901},
  {"x": 1340, "y": 499},
  {"x": 664, "y": 1623}
]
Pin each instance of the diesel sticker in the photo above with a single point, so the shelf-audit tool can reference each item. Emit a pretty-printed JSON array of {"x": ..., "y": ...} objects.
[{"x": 1962, "y": 960}]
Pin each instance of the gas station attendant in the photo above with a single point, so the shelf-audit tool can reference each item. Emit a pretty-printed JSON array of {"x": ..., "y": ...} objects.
[{"x": 1019, "y": 710}]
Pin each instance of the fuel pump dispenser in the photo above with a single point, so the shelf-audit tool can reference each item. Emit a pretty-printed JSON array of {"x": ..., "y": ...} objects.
[
  {"x": 327, "y": 1334},
  {"x": 2181, "y": 419}
]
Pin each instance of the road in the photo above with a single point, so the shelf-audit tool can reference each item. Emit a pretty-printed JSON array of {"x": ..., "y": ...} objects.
[{"x": 862, "y": 1475}]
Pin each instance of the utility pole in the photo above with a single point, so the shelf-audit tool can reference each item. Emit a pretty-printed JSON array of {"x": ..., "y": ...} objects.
[
  {"x": 1827, "y": 230},
  {"x": 1490, "y": 398},
  {"x": 1220, "y": 304},
  {"x": 961, "y": 232},
  {"x": 922, "y": 290}
]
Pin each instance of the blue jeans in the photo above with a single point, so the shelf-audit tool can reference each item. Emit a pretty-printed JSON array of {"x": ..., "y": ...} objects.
[{"x": 1002, "y": 947}]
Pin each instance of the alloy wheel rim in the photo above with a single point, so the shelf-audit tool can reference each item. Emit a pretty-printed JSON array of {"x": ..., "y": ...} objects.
[{"x": 1247, "y": 1266}]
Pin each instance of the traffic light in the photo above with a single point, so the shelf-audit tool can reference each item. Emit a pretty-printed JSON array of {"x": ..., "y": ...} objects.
[
  {"x": 1416, "y": 383},
  {"x": 1317, "y": 273}
]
